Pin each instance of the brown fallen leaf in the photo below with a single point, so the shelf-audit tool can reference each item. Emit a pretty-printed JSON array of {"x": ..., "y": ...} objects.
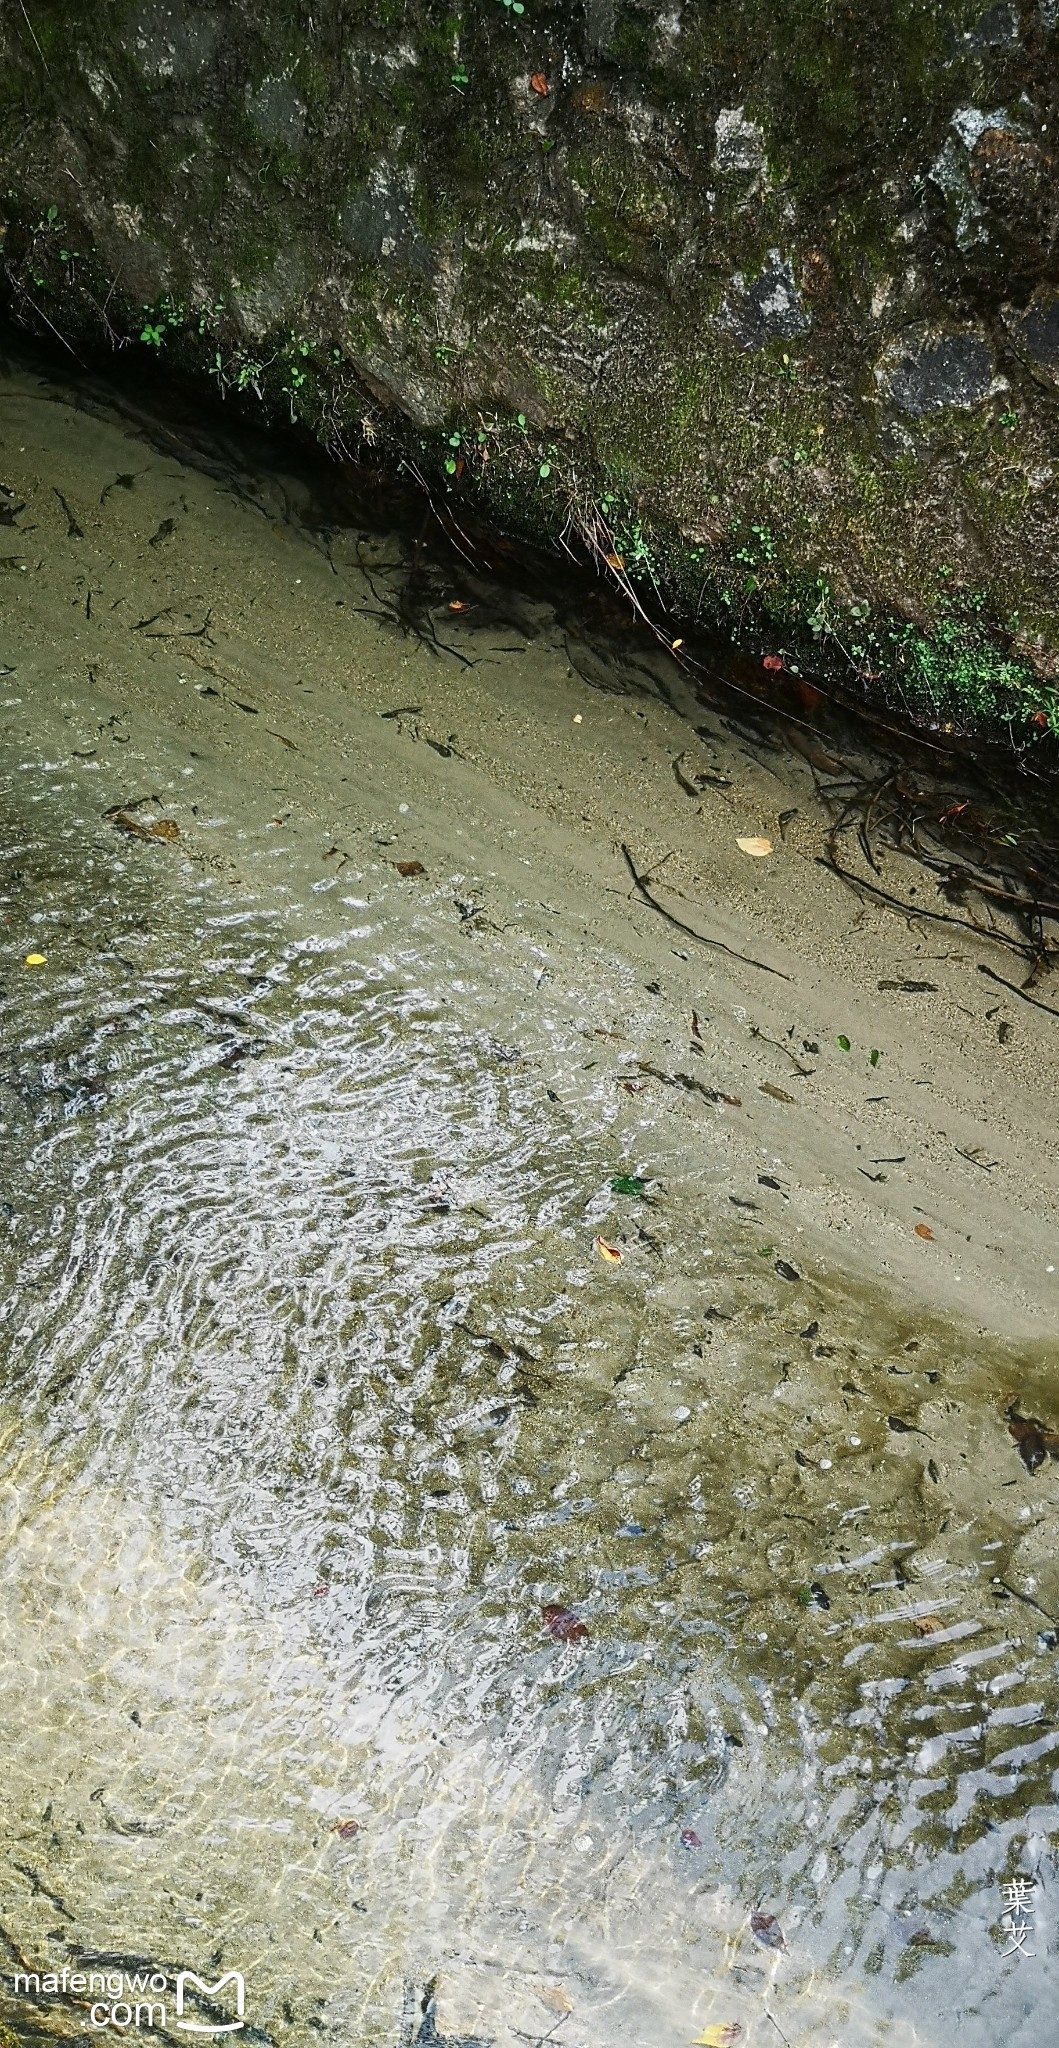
[
  {"x": 564, "y": 1626},
  {"x": 758, "y": 848},
  {"x": 609, "y": 1252},
  {"x": 539, "y": 85},
  {"x": 556, "y": 1998},
  {"x": 410, "y": 867},
  {"x": 719, "y": 2036},
  {"x": 1034, "y": 1439},
  {"x": 777, "y": 1094},
  {"x": 614, "y": 561},
  {"x": 125, "y": 822},
  {"x": 766, "y": 1928},
  {"x": 346, "y": 1829},
  {"x": 927, "y": 1625},
  {"x": 165, "y": 828},
  {"x": 923, "y": 1230}
]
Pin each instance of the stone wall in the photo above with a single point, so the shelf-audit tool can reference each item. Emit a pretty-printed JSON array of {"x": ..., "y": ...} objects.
[{"x": 759, "y": 298}]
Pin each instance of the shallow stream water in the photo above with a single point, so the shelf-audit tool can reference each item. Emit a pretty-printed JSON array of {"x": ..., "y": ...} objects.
[{"x": 316, "y": 1392}]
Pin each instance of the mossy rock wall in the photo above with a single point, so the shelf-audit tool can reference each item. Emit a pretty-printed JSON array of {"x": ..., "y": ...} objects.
[{"x": 758, "y": 297}]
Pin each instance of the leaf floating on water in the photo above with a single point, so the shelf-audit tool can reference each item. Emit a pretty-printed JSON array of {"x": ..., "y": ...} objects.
[
  {"x": 773, "y": 663},
  {"x": 563, "y": 1626},
  {"x": 165, "y": 828},
  {"x": 689, "y": 1839},
  {"x": 410, "y": 867},
  {"x": 924, "y": 1230},
  {"x": 609, "y": 1252},
  {"x": 758, "y": 848},
  {"x": 346, "y": 1829},
  {"x": 844, "y": 1043},
  {"x": 36, "y": 960},
  {"x": 627, "y": 1184},
  {"x": 785, "y": 1271},
  {"x": 766, "y": 1928},
  {"x": 720, "y": 2036}
]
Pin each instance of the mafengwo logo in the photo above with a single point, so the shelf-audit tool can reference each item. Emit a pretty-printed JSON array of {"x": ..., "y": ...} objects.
[{"x": 117, "y": 1999}]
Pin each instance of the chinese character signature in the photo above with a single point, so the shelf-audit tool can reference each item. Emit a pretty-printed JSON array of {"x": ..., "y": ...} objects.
[{"x": 1017, "y": 1895}]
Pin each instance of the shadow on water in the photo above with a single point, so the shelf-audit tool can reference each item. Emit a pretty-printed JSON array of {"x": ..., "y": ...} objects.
[{"x": 391, "y": 1593}]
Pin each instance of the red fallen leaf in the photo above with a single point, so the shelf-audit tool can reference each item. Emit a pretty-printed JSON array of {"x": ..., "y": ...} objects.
[
  {"x": 456, "y": 604},
  {"x": 766, "y": 1928},
  {"x": 689, "y": 1839},
  {"x": 539, "y": 85},
  {"x": 346, "y": 1829},
  {"x": 563, "y": 1626},
  {"x": 460, "y": 465},
  {"x": 924, "y": 1230},
  {"x": 773, "y": 662},
  {"x": 319, "y": 1591},
  {"x": 1040, "y": 718}
]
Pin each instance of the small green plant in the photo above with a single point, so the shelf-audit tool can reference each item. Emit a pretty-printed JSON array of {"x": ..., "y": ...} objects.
[
  {"x": 152, "y": 335},
  {"x": 844, "y": 1043},
  {"x": 459, "y": 78}
]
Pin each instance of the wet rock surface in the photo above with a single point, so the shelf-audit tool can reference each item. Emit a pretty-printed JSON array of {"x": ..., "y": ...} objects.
[{"x": 642, "y": 259}]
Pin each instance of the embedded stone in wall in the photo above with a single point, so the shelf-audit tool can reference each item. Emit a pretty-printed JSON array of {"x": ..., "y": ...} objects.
[
  {"x": 278, "y": 113},
  {"x": 927, "y": 370},
  {"x": 170, "y": 41},
  {"x": 769, "y": 308},
  {"x": 1037, "y": 331},
  {"x": 377, "y": 221},
  {"x": 740, "y": 143}
]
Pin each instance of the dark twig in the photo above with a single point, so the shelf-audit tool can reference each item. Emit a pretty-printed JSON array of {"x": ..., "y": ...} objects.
[
  {"x": 716, "y": 945},
  {"x": 1017, "y": 991},
  {"x": 914, "y": 910}
]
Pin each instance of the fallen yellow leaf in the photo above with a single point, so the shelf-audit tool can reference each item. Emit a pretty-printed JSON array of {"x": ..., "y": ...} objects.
[
  {"x": 36, "y": 959},
  {"x": 719, "y": 2036},
  {"x": 609, "y": 1252},
  {"x": 758, "y": 847},
  {"x": 558, "y": 1998},
  {"x": 924, "y": 1230}
]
